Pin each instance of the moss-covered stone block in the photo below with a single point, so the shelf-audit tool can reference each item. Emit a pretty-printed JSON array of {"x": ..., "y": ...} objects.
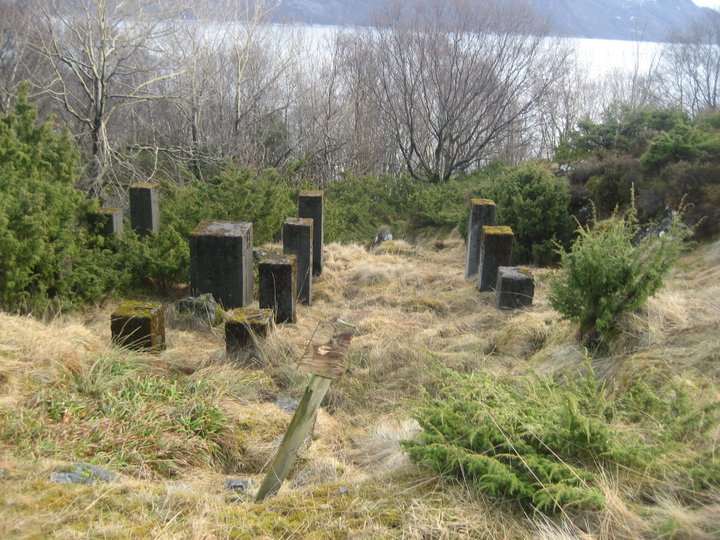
[
  {"x": 495, "y": 251},
  {"x": 221, "y": 262},
  {"x": 245, "y": 326},
  {"x": 278, "y": 286},
  {"x": 107, "y": 221},
  {"x": 482, "y": 213},
  {"x": 139, "y": 326},
  {"x": 144, "y": 210},
  {"x": 297, "y": 237},
  {"x": 310, "y": 205},
  {"x": 515, "y": 288}
]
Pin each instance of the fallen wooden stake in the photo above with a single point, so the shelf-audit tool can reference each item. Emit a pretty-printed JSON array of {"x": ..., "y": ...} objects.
[{"x": 325, "y": 362}]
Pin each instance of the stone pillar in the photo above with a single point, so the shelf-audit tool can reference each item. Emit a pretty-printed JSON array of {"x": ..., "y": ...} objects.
[
  {"x": 139, "y": 326},
  {"x": 244, "y": 326},
  {"x": 109, "y": 221},
  {"x": 144, "y": 212},
  {"x": 221, "y": 262},
  {"x": 297, "y": 237},
  {"x": 495, "y": 251},
  {"x": 310, "y": 205},
  {"x": 515, "y": 288},
  {"x": 482, "y": 212},
  {"x": 278, "y": 286}
]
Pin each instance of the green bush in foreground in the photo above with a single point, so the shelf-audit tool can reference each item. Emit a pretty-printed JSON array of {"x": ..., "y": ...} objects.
[
  {"x": 604, "y": 275},
  {"x": 542, "y": 443},
  {"x": 46, "y": 245}
]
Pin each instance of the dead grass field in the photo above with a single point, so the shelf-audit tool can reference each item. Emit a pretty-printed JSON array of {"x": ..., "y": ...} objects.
[{"x": 66, "y": 396}]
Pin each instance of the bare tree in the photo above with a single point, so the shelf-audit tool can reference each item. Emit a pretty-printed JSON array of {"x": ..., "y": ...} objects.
[
  {"x": 456, "y": 78},
  {"x": 104, "y": 56},
  {"x": 691, "y": 65},
  {"x": 17, "y": 62}
]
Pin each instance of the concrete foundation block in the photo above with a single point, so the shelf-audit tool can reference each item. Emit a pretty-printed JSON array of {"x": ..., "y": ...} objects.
[
  {"x": 310, "y": 205},
  {"x": 278, "y": 286},
  {"x": 109, "y": 221},
  {"x": 515, "y": 288},
  {"x": 245, "y": 326},
  {"x": 482, "y": 213},
  {"x": 144, "y": 211},
  {"x": 221, "y": 262},
  {"x": 495, "y": 251},
  {"x": 297, "y": 237},
  {"x": 139, "y": 326}
]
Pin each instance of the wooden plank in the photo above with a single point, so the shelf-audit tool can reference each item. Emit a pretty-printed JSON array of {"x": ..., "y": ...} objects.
[{"x": 325, "y": 360}]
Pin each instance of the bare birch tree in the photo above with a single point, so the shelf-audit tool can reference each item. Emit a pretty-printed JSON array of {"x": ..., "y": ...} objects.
[
  {"x": 104, "y": 57},
  {"x": 456, "y": 78},
  {"x": 691, "y": 65}
]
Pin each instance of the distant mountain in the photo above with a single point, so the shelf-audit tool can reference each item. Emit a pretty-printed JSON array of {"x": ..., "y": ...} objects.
[{"x": 648, "y": 20}]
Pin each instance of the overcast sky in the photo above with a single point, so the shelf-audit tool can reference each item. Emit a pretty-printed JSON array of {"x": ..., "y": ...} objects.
[{"x": 708, "y": 3}]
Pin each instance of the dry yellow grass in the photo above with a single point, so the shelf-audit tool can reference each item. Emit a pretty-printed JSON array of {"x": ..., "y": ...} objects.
[{"x": 413, "y": 311}]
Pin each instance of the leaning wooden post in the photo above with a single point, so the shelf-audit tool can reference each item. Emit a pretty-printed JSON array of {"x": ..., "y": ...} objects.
[{"x": 325, "y": 362}]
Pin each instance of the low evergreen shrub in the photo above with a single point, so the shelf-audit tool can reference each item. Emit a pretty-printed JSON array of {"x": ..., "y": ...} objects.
[
  {"x": 541, "y": 443},
  {"x": 532, "y": 201},
  {"x": 608, "y": 272},
  {"x": 49, "y": 255}
]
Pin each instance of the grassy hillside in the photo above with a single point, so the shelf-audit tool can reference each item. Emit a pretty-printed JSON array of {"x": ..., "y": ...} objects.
[{"x": 176, "y": 425}]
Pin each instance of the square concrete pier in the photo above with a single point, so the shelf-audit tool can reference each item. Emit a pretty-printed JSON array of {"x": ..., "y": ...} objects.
[
  {"x": 245, "y": 326},
  {"x": 109, "y": 221},
  {"x": 144, "y": 211},
  {"x": 495, "y": 251},
  {"x": 515, "y": 288},
  {"x": 297, "y": 237},
  {"x": 278, "y": 286},
  {"x": 221, "y": 262},
  {"x": 482, "y": 213},
  {"x": 139, "y": 326},
  {"x": 310, "y": 205}
]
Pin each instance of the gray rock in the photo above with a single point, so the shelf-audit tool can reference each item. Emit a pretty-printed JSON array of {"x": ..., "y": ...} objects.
[
  {"x": 658, "y": 228},
  {"x": 383, "y": 235},
  {"x": 3, "y": 474},
  {"x": 203, "y": 307},
  {"x": 287, "y": 404},
  {"x": 82, "y": 473},
  {"x": 238, "y": 484}
]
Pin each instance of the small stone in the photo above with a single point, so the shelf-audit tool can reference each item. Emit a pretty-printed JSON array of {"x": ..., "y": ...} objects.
[
  {"x": 343, "y": 490},
  {"x": 82, "y": 473},
  {"x": 204, "y": 307},
  {"x": 3, "y": 474},
  {"x": 238, "y": 484},
  {"x": 287, "y": 404},
  {"x": 383, "y": 235}
]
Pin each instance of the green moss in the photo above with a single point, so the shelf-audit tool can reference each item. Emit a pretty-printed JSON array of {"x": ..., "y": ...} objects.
[
  {"x": 137, "y": 309},
  {"x": 497, "y": 230},
  {"x": 482, "y": 202}
]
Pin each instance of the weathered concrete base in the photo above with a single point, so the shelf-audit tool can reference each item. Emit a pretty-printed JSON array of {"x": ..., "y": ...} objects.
[
  {"x": 139, "y": 326},
  {"x": 108, "y": 221},
  {"x": 244, "y": 327},
  {"x": 495, "y": 251},
  {"x": 310, "y": 205},
  {"x": 482, "y": 213},
  {"x": 297, "y": 237},
  {"x": 221, "y": 262},
  {"x": 515, "y": 288},
  {"x": 144, "y": 211},
  {"x": 278, "y": 286}
]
